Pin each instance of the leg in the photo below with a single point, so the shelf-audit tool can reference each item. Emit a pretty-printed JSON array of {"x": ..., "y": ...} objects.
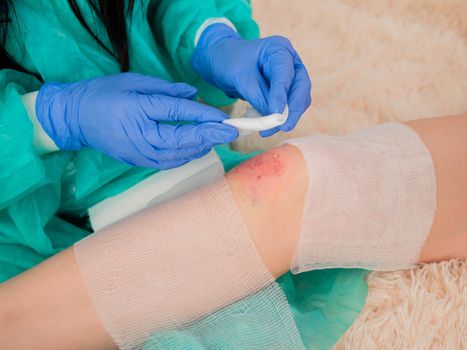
[
  {"x": 51, "y": 299},
  {"x": 54, "y": 301},
  {"x": 446, "y": 139},
  {"x": 270, "y": 190}
]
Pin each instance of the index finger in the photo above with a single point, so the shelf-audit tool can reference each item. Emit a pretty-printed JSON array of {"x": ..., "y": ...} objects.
[{"x": 173, "y": 109}]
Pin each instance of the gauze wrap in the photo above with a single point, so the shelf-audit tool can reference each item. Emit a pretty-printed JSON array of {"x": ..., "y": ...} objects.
[
  {"x": 182, "y": 265},
  {"x": 371, "y": 200}
]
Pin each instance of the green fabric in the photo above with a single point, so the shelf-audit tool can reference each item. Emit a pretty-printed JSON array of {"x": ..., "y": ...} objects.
[
  {"x": 41, "y": 197},
  {"x": 325, "y": 303}
]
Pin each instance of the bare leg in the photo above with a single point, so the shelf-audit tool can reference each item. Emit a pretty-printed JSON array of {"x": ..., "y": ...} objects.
[
  {"x": 50, "y": 302},
  {"x": 446, "y": 138}
]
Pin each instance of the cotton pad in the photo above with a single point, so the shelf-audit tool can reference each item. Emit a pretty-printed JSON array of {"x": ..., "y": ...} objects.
[{"x": 253, "y": 121}]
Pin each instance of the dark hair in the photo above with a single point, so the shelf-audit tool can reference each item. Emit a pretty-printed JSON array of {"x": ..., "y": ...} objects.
[{"x": 112, "y": 14}]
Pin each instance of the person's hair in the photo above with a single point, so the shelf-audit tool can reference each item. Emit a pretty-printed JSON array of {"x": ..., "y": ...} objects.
[{"x": 112, "y": 14}]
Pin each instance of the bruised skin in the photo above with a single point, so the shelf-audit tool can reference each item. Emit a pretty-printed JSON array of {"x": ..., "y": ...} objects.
[{"x": 261, "y": 186}]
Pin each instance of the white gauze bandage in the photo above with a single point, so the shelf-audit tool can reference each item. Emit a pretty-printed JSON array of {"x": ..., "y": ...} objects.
[
  {"x": 371, "y": 200},
  {"x": 188, "y": 264}
]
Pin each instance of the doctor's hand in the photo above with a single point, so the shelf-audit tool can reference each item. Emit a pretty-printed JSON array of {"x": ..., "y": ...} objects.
[
  {"x": 127, "y": 117},
  {"x": 268, "y": 73}
]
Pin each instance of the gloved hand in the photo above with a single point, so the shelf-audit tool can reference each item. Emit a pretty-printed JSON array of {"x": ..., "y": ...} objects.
[
  {"x": 268, "y": 73},
  {"x": 126, "y": 116}
]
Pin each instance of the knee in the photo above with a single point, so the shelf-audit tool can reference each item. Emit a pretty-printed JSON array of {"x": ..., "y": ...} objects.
[
  {"x": 275, "y": 172},
  {"x": 269, "y": 190}
]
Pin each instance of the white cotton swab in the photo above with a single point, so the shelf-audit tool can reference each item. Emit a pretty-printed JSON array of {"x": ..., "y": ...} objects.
[{"x": 253, "y": 121}]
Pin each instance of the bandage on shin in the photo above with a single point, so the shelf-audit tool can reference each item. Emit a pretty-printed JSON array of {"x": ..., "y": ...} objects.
[
  {"x": 371, "y": 200},
  {"x": 188, "y": 264}
]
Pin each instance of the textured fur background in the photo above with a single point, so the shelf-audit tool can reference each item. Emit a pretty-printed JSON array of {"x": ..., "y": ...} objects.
[{"x": 371, "y": 62}]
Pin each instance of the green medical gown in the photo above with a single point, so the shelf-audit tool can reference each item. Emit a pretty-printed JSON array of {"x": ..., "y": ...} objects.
[{"x": 44, "y": 198}]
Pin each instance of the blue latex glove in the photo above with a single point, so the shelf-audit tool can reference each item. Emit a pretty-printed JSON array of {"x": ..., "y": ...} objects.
[
  {"x": 126, "y": 116},
  {"x": 268, "y": 73}
]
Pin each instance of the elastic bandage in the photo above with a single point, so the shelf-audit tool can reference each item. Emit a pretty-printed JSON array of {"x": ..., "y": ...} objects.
[
  {"x": 187, "y": 265},
  {"x": 371, "y": 200}
]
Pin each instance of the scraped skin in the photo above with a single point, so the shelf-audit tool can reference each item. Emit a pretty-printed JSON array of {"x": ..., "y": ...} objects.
[
  {"x": 270, "y": 192},
  {"x": 260, "y": 175},
  {"x": 49, "y": 303}
]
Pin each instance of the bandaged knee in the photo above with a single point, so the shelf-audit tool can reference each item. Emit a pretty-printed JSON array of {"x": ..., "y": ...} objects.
[
  {"x": 185, "y": 265},
  {"x": 371, "y": 200}
]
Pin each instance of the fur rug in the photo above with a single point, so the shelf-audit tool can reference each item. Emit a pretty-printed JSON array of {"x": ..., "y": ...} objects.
[{"x": 373, "y": 62}]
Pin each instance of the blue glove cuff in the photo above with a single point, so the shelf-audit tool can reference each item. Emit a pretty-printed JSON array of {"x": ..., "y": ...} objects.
[
  {"x": 54, "y": 110},
  {"x": 215, "y": 33},
  {"x": 211, "y": 37}
]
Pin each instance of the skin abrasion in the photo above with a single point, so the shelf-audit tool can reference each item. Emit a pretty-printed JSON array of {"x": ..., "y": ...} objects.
[
  {"x": 260, "y": 174},
  {"x": 261, "y": 185},
  {"x": 265, "y": 165}
]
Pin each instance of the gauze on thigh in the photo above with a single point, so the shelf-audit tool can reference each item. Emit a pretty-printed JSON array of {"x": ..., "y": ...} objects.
[
  {"x": 371, "y": 200},
  {"x": 183, "y": 265}
]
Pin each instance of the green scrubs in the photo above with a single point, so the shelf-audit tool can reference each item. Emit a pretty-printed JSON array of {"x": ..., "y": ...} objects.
[{"x": 44, "y": 198}]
